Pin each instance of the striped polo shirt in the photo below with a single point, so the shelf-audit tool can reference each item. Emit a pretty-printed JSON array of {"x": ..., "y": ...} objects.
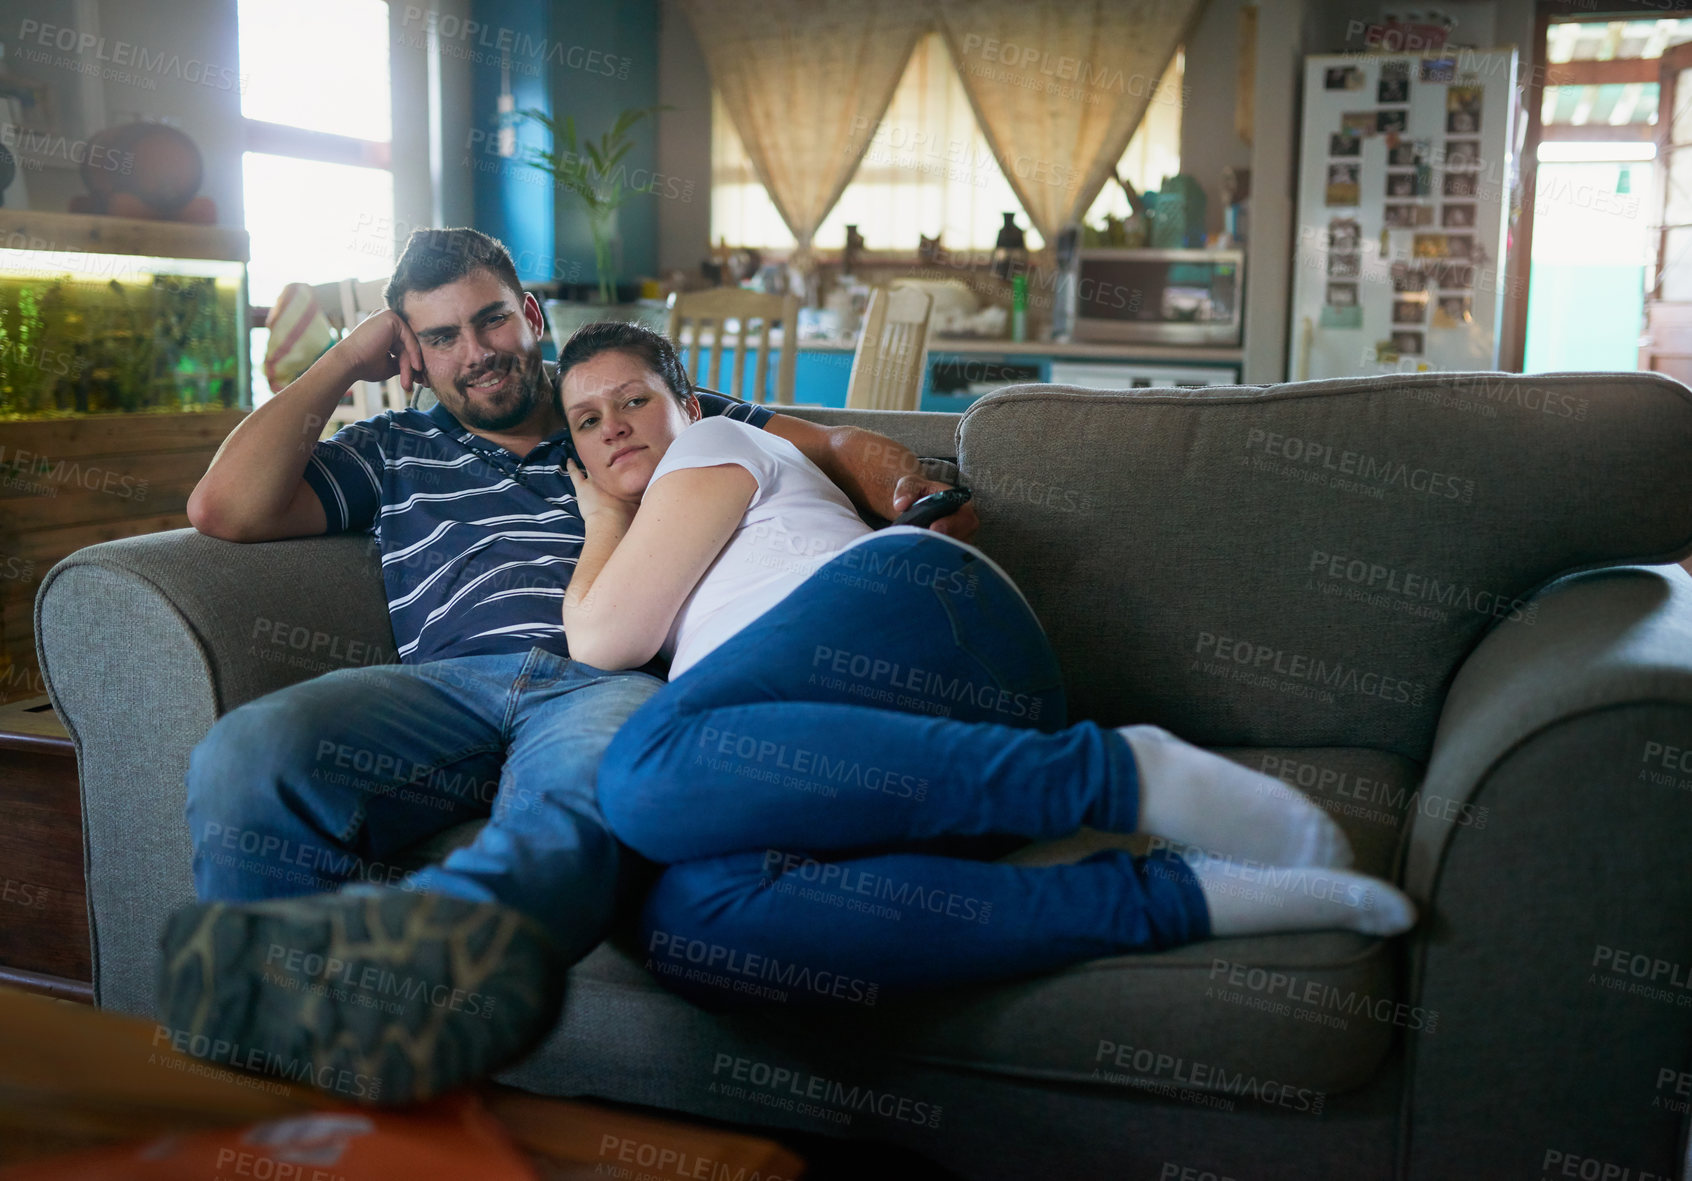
[{"x": 477, "y": 542}]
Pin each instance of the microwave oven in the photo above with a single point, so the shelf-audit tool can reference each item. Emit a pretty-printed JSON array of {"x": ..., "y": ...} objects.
[{"x": 1190, "y": 297}]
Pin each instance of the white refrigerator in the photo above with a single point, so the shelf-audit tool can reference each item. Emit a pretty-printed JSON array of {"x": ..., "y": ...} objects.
[{"x": 1404, "y": 181}]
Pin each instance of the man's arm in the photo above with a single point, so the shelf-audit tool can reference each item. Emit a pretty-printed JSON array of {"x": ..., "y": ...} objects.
[
  {"x": 880, "y": 476},
  {"x": 255, "y": 488}
]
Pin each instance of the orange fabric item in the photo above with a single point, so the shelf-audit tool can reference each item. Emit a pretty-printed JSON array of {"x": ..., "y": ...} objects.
[{"x": 450, "y": 1137}]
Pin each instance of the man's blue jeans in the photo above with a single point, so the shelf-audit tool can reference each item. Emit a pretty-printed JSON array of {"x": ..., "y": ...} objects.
[
  {"x": 807, "y": 780},
  {"x": 324, "y": 782}
]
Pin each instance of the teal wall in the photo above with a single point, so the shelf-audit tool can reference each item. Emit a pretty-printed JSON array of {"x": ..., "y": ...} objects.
[
  {"x": 513, "y": 201},
  {"x": 594, "y": 92},
  {"x": 570, "y": 57}
]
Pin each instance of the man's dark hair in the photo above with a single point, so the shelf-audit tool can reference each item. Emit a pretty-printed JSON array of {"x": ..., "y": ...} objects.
[
  {"x": 433, "y": 258},
  {"x": 614, "y": 336}
]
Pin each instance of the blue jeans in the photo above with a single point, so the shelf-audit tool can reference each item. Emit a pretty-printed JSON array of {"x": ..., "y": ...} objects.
[
  {"x": 809, "y": 781},
  {"x": 323, "y": 783}
]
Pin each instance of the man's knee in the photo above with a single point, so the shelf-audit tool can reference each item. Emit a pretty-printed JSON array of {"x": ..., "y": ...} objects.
[
  {"x": 236, "y": 769},
  {"x": 631, "y": 786}
]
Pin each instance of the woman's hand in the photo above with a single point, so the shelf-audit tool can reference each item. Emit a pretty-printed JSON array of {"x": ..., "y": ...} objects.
[{"x": 596, "y": 505}]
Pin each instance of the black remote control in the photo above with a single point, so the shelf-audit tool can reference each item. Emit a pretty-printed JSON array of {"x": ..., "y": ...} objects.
[{"x": 929, "y": 509}]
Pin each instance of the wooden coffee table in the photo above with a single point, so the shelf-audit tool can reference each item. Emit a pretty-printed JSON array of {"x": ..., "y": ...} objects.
[{"x": 72, "y": 1078}]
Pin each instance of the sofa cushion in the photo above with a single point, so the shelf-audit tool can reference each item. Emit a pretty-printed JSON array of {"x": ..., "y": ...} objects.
[
  {"x": 1290, "y": 1018},
  {"x": 1306, "y": 564}
]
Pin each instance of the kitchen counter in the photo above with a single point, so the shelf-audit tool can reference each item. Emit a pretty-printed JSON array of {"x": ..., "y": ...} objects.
[
  {"x": 961, "y": 369},
  {"x": 975, "y": 345}
]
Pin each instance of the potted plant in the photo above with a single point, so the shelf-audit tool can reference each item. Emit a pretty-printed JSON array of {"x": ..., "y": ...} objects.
[{"x": 588, "y": 170}]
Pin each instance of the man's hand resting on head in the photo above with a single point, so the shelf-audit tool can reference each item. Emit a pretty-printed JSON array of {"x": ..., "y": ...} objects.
[
  {"x": 381, "y": 347},
  {"x": 961, "y": 524}
]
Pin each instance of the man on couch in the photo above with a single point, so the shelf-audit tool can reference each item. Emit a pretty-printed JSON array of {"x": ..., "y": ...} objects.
[{"x": 302, "y": 957}]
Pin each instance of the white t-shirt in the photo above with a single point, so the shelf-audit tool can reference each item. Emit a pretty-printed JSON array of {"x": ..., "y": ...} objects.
[{"x": 796, "y": 522}]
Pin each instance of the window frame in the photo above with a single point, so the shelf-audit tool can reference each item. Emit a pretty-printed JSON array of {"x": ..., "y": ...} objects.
[{"x": 300, "y": 143}]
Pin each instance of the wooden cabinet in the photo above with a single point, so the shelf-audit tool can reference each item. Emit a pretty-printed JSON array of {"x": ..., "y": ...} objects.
[{"x": 43, "y": 897}]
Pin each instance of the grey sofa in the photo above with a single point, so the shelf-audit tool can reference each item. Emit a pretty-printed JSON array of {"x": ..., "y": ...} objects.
[{"x": 1441, "y": 604}]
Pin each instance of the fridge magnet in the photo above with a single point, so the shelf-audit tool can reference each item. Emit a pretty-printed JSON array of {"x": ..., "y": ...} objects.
[
  {"x": 1439, "y": 69},
  {"x": 1410, "y": 153},
  {"x": 1462, "y": 153},
  {"x": 1454, "y": 311},
  {"x": 1463, "y": 109},
  {"x": 1407, "y": 184},
  {"x": 1394, "y": 86},
  {"x": 1391, "y": 120},
  {"x": 1362, "y": 122},
  {"x": 1453, "y": 274},
  {"x": 1342, "y": 78},
  {"x": 1408, "y": 278},
  {"x": 1345, "y": 143},
  {"x": 1409, "y": 311},
  {"x": 1460, "y": 247},
  {"x": 1342, "y": 188},
  {"x": 1345, "y": 266},
  {"x": 1461, "y": 184},
  {"x": 1429, "y": 246},
  {"x": 1342, "y": 295},
  {"x": 1344, "y": 234},
  {"x": 1341, "y": 317},
  {"x": 1407, "y": 343},
  {"x": 1460, "y": 216}
]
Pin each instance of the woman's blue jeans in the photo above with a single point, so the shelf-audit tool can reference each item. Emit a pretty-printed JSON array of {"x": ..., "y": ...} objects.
[{"x": 811, "y": 781}]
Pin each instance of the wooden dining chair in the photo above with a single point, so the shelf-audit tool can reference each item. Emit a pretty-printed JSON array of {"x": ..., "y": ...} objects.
[
  {"x": 730, "y": 313},
  {"x": 347, "y": 304},
  {"x": 892, "y": 354}
]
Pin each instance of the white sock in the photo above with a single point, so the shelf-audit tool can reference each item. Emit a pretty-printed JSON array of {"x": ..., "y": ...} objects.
[
  {"x": 1261, "y": 900},
  {"x": 1193, "y": 797}
]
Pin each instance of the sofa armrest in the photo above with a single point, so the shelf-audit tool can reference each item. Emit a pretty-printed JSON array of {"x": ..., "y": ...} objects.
[
  {"x": 143, "y": 644},
  {"x": 1548, "y": 851}
]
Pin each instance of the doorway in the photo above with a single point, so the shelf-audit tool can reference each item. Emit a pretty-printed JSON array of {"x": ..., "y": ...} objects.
[
  {"x": 1591, "y": 247},
  {"x": 1597, "y": 201}
]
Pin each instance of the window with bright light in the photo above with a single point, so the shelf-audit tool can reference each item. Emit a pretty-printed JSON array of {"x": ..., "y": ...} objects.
[
  {"x": 928, "y": 170},
  {"x": 309, "y": 227},
  {"x": 318, "y": 189},
  {"x": 317, "y": 64}
]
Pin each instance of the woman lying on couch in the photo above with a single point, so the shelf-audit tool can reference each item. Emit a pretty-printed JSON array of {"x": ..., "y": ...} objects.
[{"x": 856, "y": 718}]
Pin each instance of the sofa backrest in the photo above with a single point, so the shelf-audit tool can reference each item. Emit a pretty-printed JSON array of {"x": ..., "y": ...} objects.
[
  {"x": 1307, "y": 564},
  {"x": 931, "y": 434}
]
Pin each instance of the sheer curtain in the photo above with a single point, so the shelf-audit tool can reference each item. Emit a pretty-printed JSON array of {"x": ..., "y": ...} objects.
[
  {"x": 804, "y": 81},
  {"x": 928, "y": 169},
  {"x": 1060, "y": 88}
]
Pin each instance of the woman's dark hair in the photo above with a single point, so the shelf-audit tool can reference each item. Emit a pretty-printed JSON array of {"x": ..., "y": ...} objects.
[
  {"x": 433, "y": 258},
  {"x": 614, "y": 336}
]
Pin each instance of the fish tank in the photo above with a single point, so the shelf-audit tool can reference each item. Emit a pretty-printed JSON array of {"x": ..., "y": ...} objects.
[{"x": 89, "y": 333}]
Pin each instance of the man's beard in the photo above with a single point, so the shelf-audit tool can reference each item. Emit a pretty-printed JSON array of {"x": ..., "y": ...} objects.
[{"x": 516, "y": 403}]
